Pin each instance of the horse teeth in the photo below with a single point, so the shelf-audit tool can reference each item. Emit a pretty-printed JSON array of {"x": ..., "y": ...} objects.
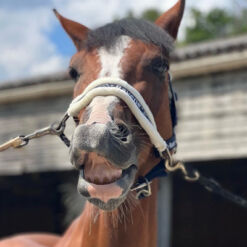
[{"x": 101, "y": 171}]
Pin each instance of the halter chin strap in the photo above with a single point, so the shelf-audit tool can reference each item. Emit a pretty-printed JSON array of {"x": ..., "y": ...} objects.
[{"x": 120, "y": 88}]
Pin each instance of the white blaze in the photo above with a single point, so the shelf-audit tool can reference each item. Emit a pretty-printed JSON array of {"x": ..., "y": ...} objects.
[
  {"x": 110, "y": 67},
  {"x": 110, "y": 58},
  {"x": 100, "y": 111}
]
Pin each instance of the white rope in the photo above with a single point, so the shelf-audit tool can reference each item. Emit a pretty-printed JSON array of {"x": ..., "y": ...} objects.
[
  {"x": 111, "y": 80},
  {"x": 94, "y": 90}
]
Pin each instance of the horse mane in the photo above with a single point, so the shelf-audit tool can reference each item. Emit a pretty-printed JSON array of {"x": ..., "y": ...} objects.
[{"x": 143, "y": 30}]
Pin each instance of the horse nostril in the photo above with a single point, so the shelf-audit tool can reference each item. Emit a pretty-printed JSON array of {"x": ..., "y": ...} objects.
[
  {"x": 123, "y": 129},
  {"x": 121, "y": 132}
]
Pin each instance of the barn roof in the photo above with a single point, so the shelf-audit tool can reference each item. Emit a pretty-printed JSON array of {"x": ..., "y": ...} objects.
[{"x": 209, "y": 48}]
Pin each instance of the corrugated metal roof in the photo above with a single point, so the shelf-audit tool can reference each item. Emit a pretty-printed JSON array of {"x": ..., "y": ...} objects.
[
  {"x": 208, "y": 48},
  {"x": 36, "y": 80}
]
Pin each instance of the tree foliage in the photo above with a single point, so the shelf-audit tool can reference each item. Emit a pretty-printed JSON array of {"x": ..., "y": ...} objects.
[
  {"x": 216, "y": 23},
  {"x": 150, "y": 14}
]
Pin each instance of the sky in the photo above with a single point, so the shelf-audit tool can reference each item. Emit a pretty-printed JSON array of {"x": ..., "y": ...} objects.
[{"x": 32, "y": 42}]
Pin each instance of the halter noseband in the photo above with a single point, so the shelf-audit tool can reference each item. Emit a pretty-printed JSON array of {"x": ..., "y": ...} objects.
[{"x": 120, "y": 88}]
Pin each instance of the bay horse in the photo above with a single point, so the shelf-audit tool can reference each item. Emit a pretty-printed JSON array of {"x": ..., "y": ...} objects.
[{"x": 108, "y": 143}]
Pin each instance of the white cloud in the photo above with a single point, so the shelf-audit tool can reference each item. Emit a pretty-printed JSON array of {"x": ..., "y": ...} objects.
[
  {"x": 25, "y": 48},
  {"x": 24, "y": 45},
  {"x": 98, "y": 12}
]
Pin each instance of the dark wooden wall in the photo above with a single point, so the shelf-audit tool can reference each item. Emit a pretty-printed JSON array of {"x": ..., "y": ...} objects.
[
  {"x": 34, "y": 202},
  {"x": 203, "y": 219},
  {"x": 38, "y": 201}
]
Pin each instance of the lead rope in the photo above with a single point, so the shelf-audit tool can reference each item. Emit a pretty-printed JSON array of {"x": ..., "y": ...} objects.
[
  {"x": 193, "y": 175},
  {"x": 120, "y": 88},
  {"x": 169, "y": 165},
  {"x": 53, "y": 129}
]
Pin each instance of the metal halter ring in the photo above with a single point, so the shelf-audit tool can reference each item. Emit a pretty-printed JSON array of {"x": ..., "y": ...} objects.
[
  {"x": 193, "y": 179},
  {"x": 145, "y": 189},
  {"x": 24, "y": 141},
  {"x": 171, "y": 166}
]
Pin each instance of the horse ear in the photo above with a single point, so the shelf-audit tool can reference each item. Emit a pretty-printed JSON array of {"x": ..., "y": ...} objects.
[
  {"x": 76, "y": 31},
  {"x": 171, "y": 19}
]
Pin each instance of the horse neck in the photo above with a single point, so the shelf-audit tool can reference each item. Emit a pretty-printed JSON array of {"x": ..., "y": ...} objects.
[{"x": 130, "y": 225}]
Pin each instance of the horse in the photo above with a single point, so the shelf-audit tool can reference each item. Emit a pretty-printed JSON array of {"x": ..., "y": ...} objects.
[{"x": 109, "y": 147}]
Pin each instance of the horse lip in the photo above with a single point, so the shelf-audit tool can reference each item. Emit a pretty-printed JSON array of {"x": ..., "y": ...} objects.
[
  {"x": 124, "y": 173},
  {"x": 99, "y": 183},
  {"x": 125, "y": 182},
  {"x": 108, "y": 175}
]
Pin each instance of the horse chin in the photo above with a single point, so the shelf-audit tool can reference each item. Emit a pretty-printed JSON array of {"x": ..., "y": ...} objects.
[
  {"x": 110, "y": 205},
  {"x": 107, "y": 196}
]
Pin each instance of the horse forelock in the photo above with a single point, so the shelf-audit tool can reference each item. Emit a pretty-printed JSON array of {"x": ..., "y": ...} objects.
[{"x": 107, "y": 35}]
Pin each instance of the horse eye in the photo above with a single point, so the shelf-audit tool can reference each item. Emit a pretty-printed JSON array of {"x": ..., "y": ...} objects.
[
  {"x": 74, "y": 74},
  {"x": 159, "y": 66}
]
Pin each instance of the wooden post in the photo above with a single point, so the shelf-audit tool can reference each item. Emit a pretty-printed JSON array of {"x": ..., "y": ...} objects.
[{"x": 164, "y": 212}]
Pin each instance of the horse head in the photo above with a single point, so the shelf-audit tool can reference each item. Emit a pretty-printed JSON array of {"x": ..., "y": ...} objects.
[{"x": 109, "y": 146}]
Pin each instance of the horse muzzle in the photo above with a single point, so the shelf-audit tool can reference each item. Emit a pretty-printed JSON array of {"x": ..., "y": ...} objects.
[
  {"x": 103, "y": 150},
  {"x": 103, "y": 146}
]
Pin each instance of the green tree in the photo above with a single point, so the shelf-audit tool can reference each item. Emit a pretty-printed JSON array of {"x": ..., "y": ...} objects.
[
  {"x": 150, "y": 14},
  {"x": 216, "y": 23}
]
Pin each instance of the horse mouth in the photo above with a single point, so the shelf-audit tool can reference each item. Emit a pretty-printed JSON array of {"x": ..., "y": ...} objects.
[{"x": 104, "y": 185}]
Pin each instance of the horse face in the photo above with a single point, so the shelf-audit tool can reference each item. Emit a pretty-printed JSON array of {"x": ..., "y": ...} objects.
[{"x": 109, "y": 147}]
